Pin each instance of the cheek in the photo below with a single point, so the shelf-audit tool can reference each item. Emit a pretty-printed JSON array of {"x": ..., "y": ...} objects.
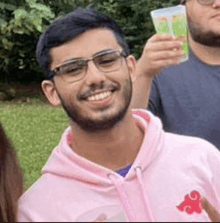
[
  {"x": 68, "y": 95},
  {"x": 71, "y": 97},
  {"x": 198, "y": 13},
  {"x": 66, "y": 90}
]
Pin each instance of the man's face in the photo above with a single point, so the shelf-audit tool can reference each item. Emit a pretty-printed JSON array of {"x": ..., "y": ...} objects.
[
  {"x": 204, "y": 22},
  {"x": 99, "y": 100}
]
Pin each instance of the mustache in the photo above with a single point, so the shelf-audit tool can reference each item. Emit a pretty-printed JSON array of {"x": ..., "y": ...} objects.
[
  {"x": 98, "y": 88},
  {"x": 217, "y": 14}
]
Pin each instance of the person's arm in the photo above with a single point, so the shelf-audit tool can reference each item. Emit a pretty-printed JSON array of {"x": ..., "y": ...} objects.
[{"x": 160, "y": 51}]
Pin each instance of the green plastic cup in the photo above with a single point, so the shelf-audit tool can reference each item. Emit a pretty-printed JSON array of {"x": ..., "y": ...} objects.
[{"x": 173, "y": 20}]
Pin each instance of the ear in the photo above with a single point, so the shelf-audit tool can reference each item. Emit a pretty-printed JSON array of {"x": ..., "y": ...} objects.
[
  {"x": 131, "y": 62},
  {"x": 50, "y": 92}
]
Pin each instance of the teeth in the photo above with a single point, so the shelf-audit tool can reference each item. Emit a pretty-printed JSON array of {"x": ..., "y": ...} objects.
[{"x": 98, "y": 97}]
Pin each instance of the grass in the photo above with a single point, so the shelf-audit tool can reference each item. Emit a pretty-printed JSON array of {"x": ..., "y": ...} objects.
[{"x": 35, "y": 129}]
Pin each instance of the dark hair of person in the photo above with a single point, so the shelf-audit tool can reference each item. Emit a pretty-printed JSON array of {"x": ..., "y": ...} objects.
[
  {"x": 183, "y": 2},
  {"x": 71, "y": 26},
  {"x": 11, "y": 182}
]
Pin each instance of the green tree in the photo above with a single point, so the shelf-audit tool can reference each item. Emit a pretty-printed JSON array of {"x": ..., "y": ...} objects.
[
  {"x": 133, "y": 16},
  {"x": 22, "y": 22}
]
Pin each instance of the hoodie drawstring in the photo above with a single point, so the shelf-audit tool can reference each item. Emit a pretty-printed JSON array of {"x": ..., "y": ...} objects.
[
  {"x": 144, "y": 194},
  {"x": 124, "y": 198}
]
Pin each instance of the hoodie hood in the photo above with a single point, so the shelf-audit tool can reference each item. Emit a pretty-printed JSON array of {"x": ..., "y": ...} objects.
[{"x": 66, "y": 163}]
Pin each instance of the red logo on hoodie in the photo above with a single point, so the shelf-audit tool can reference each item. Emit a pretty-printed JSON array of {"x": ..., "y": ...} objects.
[{"x": 191, "y": 203}]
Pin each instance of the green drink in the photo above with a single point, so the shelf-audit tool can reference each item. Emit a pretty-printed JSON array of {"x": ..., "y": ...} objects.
[
  {"x": 179, "y": 26},
  {"x": 173, "y": 21},
  {"x": 162, "y": 25}
]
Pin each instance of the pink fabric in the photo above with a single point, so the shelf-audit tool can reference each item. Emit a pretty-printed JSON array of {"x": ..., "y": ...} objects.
[
  {"x": 167, "y": 168},
  {"x": 124, "y": 198},
  {"x": 144, "y": 195}
]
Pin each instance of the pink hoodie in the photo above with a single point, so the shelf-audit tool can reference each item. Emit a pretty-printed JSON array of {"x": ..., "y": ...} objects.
[{"x": 165, "y": 182}]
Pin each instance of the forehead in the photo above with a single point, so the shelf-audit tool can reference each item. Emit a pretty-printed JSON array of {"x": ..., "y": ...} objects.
[{"x": 84, "y": 45}]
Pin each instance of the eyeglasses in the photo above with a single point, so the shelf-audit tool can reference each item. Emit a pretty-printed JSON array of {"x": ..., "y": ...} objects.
[
  {"x": 76, "y": 69},
  {"x": 201, "y": 2}
]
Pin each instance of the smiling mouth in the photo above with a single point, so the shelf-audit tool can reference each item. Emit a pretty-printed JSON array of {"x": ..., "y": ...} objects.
[{"x": 99, "y": 96}]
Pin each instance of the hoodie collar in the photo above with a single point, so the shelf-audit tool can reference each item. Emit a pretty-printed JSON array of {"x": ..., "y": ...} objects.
[{"x": 66, "y": 163}]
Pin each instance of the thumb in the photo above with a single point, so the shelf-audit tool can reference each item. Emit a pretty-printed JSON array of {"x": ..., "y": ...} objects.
[{"x": 210, "y": 210}]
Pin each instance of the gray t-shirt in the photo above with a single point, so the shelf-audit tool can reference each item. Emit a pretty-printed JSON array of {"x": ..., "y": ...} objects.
[{"x": 187, "y": 99}]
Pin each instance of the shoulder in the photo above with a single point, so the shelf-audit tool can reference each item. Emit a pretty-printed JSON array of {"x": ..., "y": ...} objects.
[
  {"x": 34, "y": 200},
  {"x": 189, "y": 140},
  {"x": 42, "y": 200},
  {"x": 191, "y": 147},
  {"x": 192, "y": 65},
  {"x": 180, "y": 69},
  {"x": 177, "y": 77}
]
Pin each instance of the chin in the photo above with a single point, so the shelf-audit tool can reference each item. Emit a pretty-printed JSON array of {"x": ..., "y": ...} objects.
[{"x": 101, "y": 122}]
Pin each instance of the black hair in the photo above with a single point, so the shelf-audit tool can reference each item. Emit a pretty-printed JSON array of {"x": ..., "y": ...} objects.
[
  {"x": 182, "y": 2},
  {"x": 71, "y": 26}
]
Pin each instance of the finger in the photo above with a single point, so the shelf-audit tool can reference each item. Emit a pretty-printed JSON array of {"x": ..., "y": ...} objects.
[
  {"x": 166, "y": 37},
  {"x": 161, "y": 46},
  {"x": 162, "y": 64},
  {"x": 210, "y": 210},
  {"x": 101, "y": 218},
  {"x": 163, "y": 55},
  {"x": 161, "y": 37}
]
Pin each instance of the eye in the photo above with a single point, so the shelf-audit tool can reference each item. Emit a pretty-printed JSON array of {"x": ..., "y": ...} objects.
[
  {"x": 107, "y": 59},
  {"x": 73, "y": 68}
]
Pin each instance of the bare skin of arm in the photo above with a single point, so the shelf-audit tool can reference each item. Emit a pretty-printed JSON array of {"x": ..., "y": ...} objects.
[
  {"x": 160, "y": 51},
  {"x": 210, "y": 210}
]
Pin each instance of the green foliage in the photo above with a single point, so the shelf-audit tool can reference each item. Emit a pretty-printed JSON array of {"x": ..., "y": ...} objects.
[
  {"x": 21, "y": 26},
  {"x": 133, "y": 17},
  {"x": 22, "y": 22}
]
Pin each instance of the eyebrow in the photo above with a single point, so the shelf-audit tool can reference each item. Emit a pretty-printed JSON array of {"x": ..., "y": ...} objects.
[{"x": 81, "y": 58}]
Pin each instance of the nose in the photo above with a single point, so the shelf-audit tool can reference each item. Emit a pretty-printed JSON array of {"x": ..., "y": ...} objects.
[{"x": 94, "y": 76}]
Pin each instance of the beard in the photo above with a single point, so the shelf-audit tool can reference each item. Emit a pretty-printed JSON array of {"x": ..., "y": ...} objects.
[
  {"x": 199, "y": 35},
  {"x": 105, "y": 122}
]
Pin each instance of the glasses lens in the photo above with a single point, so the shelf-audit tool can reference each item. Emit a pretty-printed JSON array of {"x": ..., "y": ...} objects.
[
  {"x": 73, "y": 71},
  {"x": 109, "y": 61},
  {"x": 206, "y": 2}
]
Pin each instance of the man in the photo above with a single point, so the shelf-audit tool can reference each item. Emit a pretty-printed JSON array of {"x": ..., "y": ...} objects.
[
  {"x": 112, "y": 164},
  {"x": 187, "y": 97}
]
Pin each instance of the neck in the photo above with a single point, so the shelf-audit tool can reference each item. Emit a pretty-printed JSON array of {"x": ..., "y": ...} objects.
[
  {"x": 114, "y": 149},
  {"x": 207, "y": 54}
]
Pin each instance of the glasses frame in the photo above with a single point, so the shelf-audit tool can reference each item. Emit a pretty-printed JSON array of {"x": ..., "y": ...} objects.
[
  {"x": 56, "y": 70},
  {"x": 183, "y": 2}
]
